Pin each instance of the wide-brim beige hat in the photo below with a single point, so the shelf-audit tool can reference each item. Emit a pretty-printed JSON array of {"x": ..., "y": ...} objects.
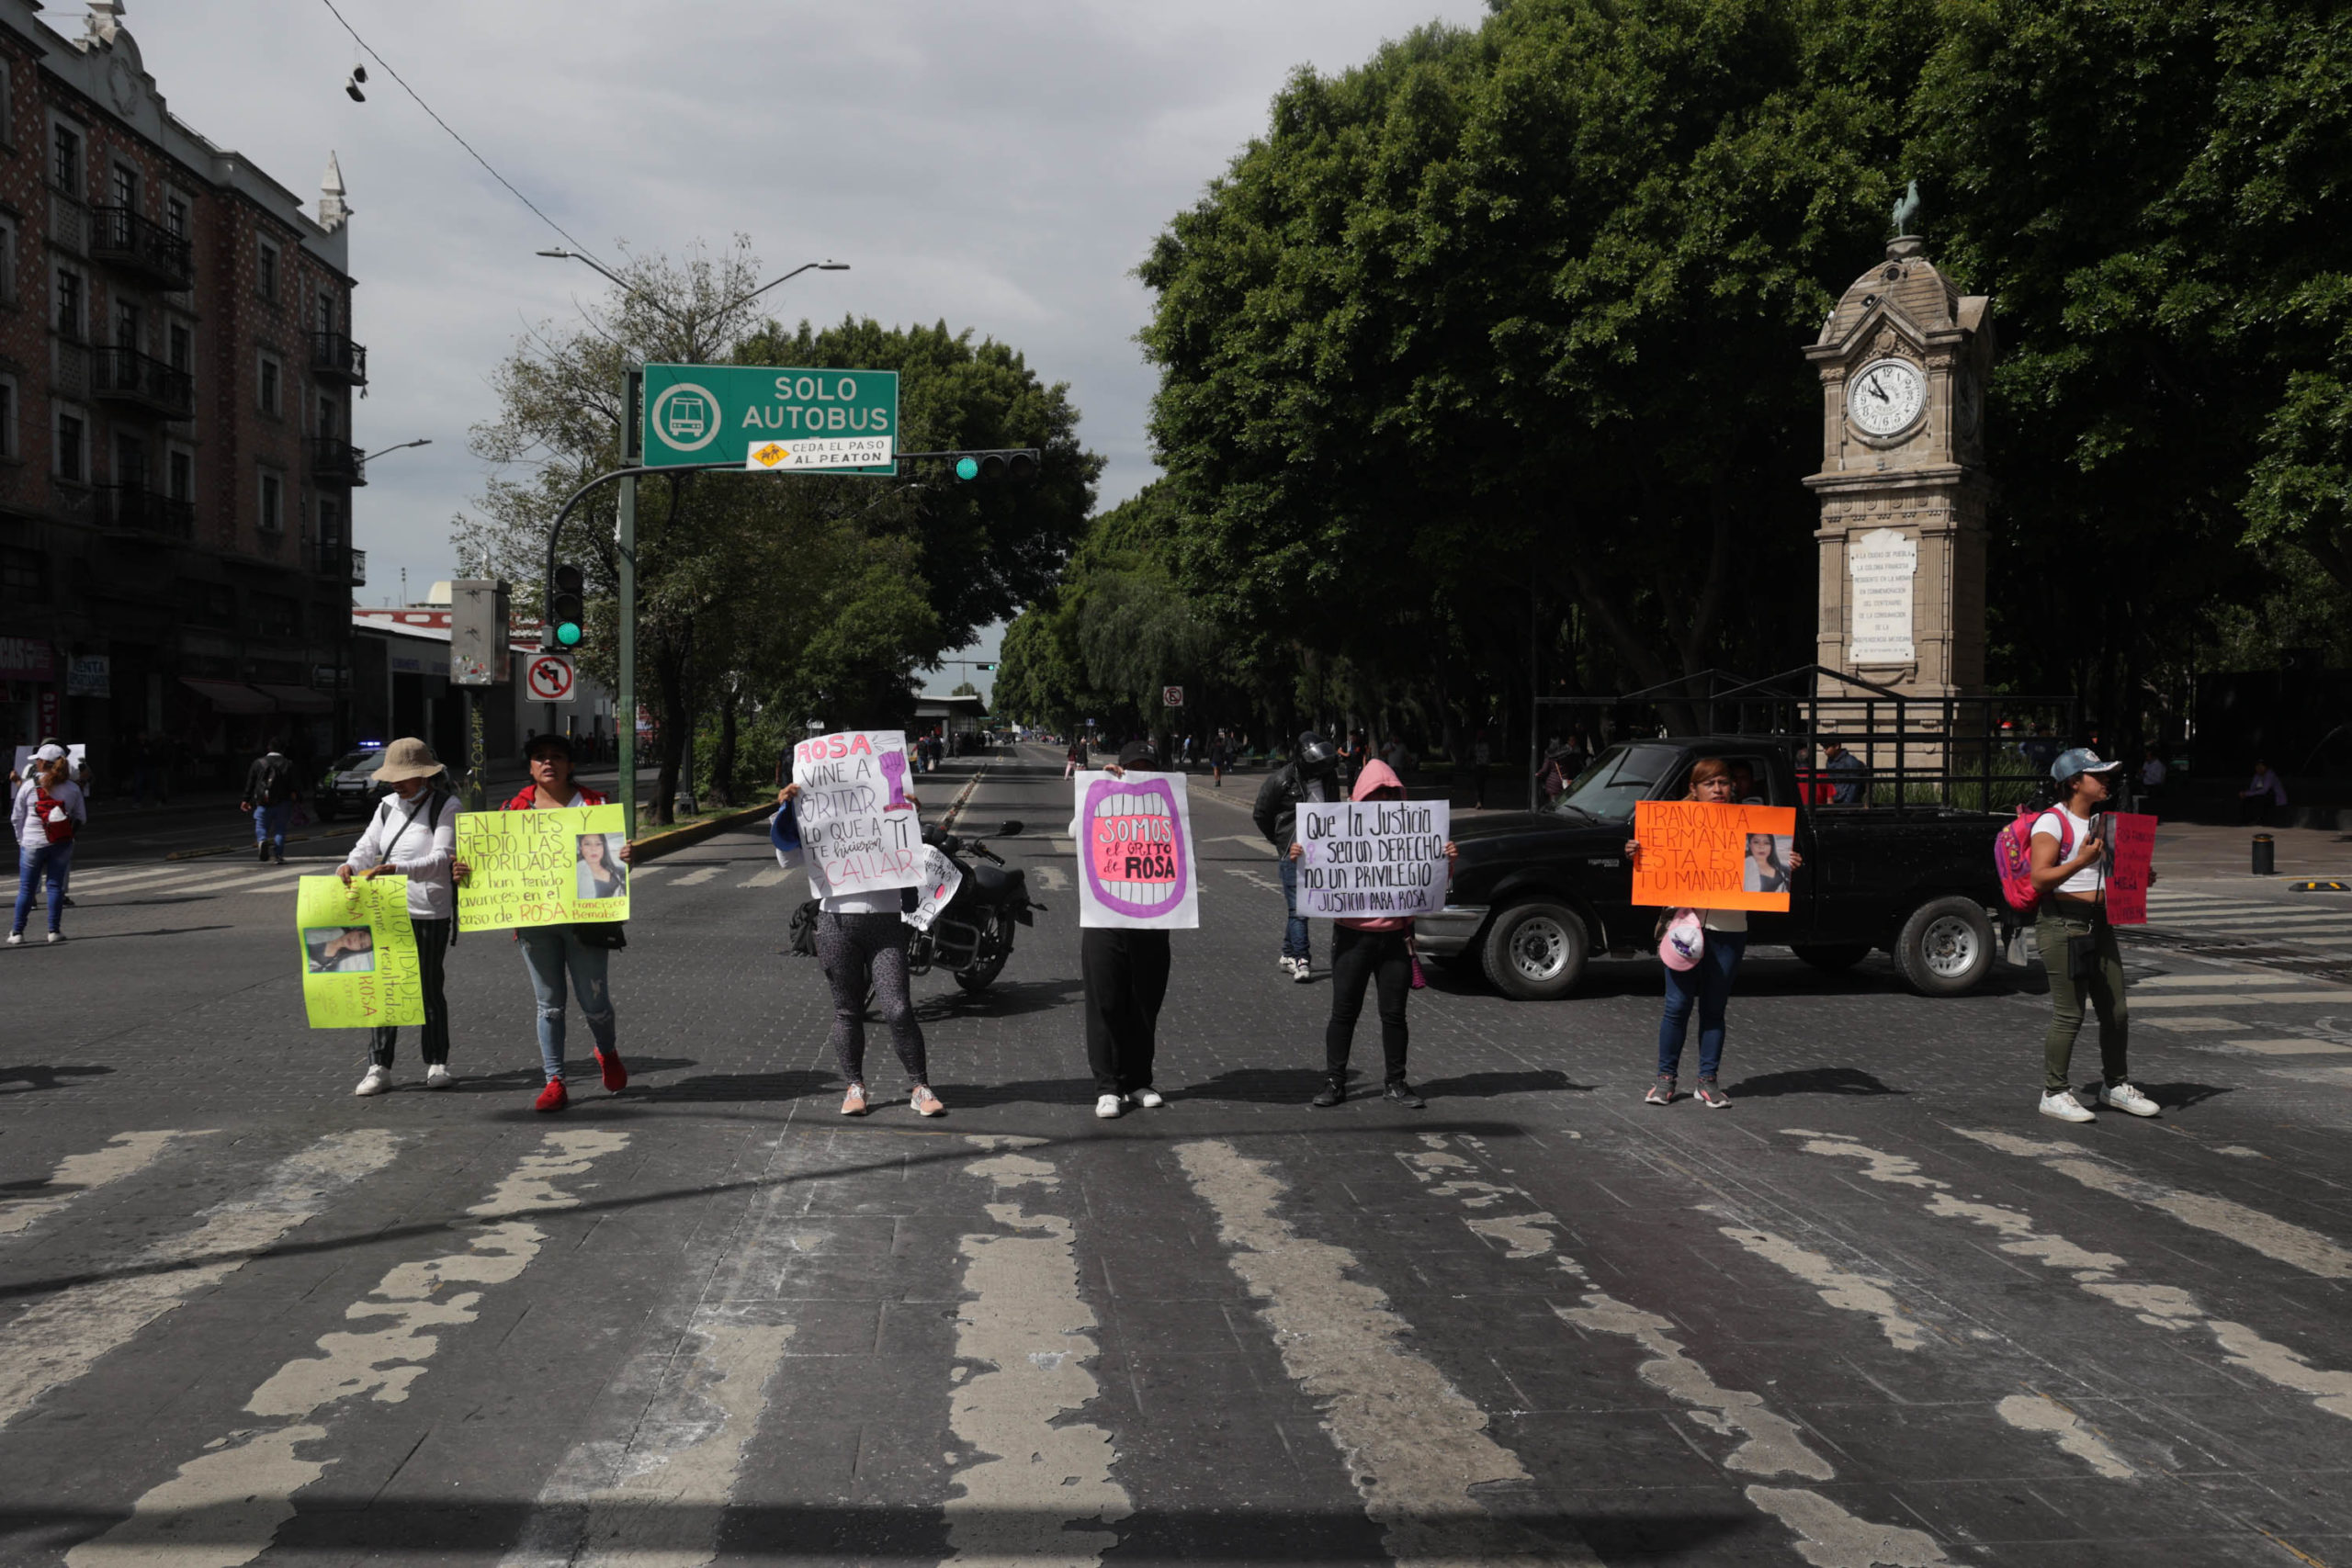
[{"x": 407, "y": 758}]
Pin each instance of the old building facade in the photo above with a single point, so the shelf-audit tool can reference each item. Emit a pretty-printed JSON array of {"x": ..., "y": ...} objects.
[{"x": 177, "y": 374}]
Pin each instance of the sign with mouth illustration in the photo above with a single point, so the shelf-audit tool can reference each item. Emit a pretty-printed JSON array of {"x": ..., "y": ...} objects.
[
  {"x": 1134, "y": 851},
  {"x": 856, "y": 820}
]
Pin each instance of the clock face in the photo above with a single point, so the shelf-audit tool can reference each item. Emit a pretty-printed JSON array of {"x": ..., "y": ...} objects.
[{"x": 1885, "y": 397}]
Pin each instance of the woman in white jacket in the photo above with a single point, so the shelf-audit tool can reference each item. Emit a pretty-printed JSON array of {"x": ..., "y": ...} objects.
[{"x": 414, "y": 834}]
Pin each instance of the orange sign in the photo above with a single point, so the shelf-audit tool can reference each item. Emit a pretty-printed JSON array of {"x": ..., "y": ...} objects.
[{"x": 1699, "y": 855}]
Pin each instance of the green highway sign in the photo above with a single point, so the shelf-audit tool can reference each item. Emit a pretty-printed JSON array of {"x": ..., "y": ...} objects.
[{"x": 770, "y": 417}]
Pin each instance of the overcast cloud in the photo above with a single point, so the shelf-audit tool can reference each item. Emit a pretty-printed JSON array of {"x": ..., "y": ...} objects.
[{"x": 1001, "y": 165}]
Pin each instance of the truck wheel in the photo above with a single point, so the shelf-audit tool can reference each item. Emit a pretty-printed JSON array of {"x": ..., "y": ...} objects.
[
  {"x": 1834, "y": 960},
  {"x": 1946, "y": 947},
  {"x": 1535, "y": 952}
]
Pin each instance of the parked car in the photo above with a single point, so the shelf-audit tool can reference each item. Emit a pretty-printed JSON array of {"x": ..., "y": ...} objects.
[
  {"x": 350, "y": 785},
  {"x": 1536, "y": 892}
]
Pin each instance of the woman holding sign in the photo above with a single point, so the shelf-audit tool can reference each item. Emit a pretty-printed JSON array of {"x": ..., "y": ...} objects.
[
  {"x": 1365, "y": 952},
  {"x": 1706, "y": 982},
  {"x": 551, "y": 953},
  {"x": 414, "y": 834}
]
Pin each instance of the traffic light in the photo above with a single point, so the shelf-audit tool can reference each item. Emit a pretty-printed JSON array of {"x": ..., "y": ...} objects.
[
  {"x": 1012, "y": 466},
  {"x": 567, "y": 613}
]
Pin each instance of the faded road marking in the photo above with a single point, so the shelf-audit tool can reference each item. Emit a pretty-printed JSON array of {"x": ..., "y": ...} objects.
[
  {"x": 223, "y": 1509},
  {"x": 127, "y": 1155},
  {"x": 1829, "y": 1537},
  {"x": 1023, "y": 1321},
  {"x": 2159, "y": 1306},
  {"x": 2273, "y": 1238},
  {"x": 1414, "y": 1447},
  {"x": 58, "y": 1338},
  {"x": 1846, "y": 1291},
  {"x": 2040, "y": 1413}
]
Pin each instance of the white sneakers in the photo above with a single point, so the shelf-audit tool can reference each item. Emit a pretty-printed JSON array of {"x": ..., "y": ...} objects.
[
  {"x": 2121, "y": 1097},
  {"x": 1149, "y": 1098},
  {"x": 376, "y": 1081},
  {"x": 1108, "y": 1106},
  {"x": 437, "y": 1076},
  {"x": 1302, "y": 970},
  {"x": 56, "y": 937},
  {"x": 16, "y": 938}
]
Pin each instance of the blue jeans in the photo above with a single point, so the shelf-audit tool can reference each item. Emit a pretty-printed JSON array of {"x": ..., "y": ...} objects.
[
  {"x": 1295, "y": 932},
  {"x": 32, "y": 860},
  {"x": 1707, "y": 983},
  {"x": 269, "y": 825},
  {"x": 547, "y": 952}
]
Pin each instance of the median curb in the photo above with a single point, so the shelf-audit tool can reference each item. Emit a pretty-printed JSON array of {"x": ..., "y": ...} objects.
[{"x": 659, "y": 844}]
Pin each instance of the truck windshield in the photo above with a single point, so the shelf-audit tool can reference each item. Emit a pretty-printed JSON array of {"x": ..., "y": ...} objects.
[{"x": 1623, "y": 775}]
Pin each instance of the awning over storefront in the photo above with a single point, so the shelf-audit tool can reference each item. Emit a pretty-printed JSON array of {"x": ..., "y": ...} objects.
[
  {"x": 228, "y": 696},
  {"x": 296, "y": 699}
]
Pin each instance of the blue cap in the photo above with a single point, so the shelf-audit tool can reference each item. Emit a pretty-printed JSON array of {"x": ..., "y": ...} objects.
[{"x": 2081, "y": 759}]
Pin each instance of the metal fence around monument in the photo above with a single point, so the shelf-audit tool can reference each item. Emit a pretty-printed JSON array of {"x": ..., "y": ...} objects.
[{"x": 1987, "y": 752}]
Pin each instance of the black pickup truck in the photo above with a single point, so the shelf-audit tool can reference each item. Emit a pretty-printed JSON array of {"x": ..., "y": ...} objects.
[{"x": 1535, "y": 894}]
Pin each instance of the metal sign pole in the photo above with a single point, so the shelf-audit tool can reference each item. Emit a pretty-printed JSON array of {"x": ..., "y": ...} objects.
[{"x": 624, "y": 548}]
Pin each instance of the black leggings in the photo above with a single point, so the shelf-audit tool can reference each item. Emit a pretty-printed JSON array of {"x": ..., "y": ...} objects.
[
  {"x": 1127, "y": 979},
  {"x": 433, "y": 1040},
  {"x": 1358, "y": 959},
  {"x": 859, "y": 950}
]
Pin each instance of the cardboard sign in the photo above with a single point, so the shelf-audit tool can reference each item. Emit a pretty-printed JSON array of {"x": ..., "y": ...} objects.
[
  {"x": 2130, "y": 858},
  {"x": 857, "y": 826},
  {"x": 359, "y": 953},
  {"x": 1697, "y": 854},
  {"x": 542, "y": 868},
  {"x": 1134, "y": 851},
  {"x": 939, "y": 881},
  {"x": 75, "y": 753},
  {"x": 1372, "y": 859}
]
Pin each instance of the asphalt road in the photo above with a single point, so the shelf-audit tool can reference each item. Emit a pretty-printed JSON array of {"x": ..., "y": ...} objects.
[{"x": 1877, "y": 1310}]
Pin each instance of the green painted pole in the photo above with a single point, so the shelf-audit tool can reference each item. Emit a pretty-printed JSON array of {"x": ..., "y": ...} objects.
[{"x": 624, "y": 547}]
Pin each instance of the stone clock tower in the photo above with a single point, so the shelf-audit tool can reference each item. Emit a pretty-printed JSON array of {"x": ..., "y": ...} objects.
[{"x": 1903, "y": 361}]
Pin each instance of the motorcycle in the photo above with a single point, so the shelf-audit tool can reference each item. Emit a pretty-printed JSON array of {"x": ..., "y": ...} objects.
[{"x": 972, "y": 935}]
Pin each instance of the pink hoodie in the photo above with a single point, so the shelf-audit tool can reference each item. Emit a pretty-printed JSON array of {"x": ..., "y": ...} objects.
[{"x": 1377, "y": 775}]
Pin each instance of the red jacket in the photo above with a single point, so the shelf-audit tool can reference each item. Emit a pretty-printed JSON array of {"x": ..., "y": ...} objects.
[{"x": 523, "y": 802}]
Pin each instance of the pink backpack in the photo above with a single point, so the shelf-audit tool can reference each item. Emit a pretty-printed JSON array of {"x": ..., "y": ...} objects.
[{"x": 2013, "y": 857}]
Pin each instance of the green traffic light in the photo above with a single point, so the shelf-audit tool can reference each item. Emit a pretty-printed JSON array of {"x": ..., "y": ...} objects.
[
  {"x": 568, "y": 634},
  {"x": 967, "y": 468}
]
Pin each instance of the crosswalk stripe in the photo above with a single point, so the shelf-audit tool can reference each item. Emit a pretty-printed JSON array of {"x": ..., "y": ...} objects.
[
  {"x": 241, "y": 1487},
  {"x": 56, "y": 1339},
  {"x": 767, "y": 879},
  {"x": 78, "y": 1176},
  {"x": 2244, "y": 998},
  {"x": 2189, "y": 980},
  {"x": 2293, "y": 1047},
  {"x": 2273, "y": 1238},
  {"x": 696, "y": 877}
]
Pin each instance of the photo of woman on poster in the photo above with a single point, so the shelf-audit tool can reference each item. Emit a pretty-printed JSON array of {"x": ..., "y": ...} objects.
[
  {"x": 601, "y": 874},
  {"x": 1767, "y": 869},
  {"x": 340, "y": 949}
]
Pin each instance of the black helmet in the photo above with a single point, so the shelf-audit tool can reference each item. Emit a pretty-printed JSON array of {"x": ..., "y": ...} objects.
[{"x": 1317, "y": 756}]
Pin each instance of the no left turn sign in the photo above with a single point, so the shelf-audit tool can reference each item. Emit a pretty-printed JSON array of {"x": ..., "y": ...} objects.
[{"x": 551, "y": 678}]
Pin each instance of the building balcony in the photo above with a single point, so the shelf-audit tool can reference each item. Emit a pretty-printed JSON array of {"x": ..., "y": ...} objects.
[
  {"x": 335, "y": 357},
  {"x": 135, "y": 508},
  {"x": 123, "y": 238},
  {"x": 334, "y": 461},
  {"x": 125, "y": 375},
  {"x": 340, "y": 564}
]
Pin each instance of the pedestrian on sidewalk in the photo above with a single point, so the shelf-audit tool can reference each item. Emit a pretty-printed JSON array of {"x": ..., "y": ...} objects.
[
  {"x": 272, "y": 786},
  {"x": 1220, "y": 759},
  {"x": 1482, "y": 752},
  {"x": 46, "y": 812},
  {"x": 1312, "y": 774},
  {"x": 862, "y": 947},
  {"x": 551, "y": 953},
  {"x": 2068, "y": 869},
  {"x": 1125, "y": 974},
  {"x": 414, "y": 834},
  {"x": 1364, "y": 953},
  {"x": 1706, "y": 984},
  {"x": 2262, "y": 796}
]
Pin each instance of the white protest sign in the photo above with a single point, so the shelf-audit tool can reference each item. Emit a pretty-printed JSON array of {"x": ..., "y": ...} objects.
[
  {"x": 1134, "y": 851},
  {"x": 939, "y": 881},
  {"x": 75, "y": 753},
  {"x": 1371, "y": 860},
  {"x": 856, "y": 824}
]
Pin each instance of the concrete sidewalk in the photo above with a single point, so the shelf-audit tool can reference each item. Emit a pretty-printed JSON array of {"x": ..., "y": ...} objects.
[{"x": 2204, "y": 851}]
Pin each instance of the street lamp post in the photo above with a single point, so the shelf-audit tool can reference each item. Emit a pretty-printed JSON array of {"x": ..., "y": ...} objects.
[{"x": 625, "y": 521}]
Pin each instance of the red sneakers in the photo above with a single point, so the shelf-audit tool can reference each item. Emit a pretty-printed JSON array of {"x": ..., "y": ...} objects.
[
  {"x": 551, "y": 1098},
  {"x": 615, "y": 1071}
]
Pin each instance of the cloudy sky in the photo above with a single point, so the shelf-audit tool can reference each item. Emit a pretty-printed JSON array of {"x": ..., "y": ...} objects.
[{"x": 1001, "y": 165}]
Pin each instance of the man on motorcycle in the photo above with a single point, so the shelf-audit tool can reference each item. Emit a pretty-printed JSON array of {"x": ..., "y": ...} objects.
[{"x": 1312, "y": 774}]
